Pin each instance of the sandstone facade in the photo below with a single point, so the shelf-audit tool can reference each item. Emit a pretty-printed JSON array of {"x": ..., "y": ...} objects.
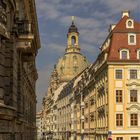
[{"x": 19, "y": 42}]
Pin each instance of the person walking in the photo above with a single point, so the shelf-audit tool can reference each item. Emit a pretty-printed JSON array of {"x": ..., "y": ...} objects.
[{"x": 43, "y": 137}]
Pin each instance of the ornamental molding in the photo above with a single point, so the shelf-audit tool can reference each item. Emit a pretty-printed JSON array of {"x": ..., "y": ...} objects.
[
  {"x": 136, "y": 83},
  {"x": 133, "y": 107}
]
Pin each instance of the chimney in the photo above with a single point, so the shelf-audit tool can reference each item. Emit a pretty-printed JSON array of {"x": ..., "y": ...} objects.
[
  {"x": 112, "y": 26},
  {"x": 125, "y": 13}
]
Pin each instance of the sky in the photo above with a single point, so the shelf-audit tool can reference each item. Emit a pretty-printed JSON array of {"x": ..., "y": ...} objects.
[{"x": 92, "y": 17}]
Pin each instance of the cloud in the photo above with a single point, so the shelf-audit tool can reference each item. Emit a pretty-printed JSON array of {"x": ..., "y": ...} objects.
[
  {"x": 47, "y": 10},
  {"x": 93, "y": 18},
  {"x": 115, "y": 6},
  {"x": 56, "y": 47}
]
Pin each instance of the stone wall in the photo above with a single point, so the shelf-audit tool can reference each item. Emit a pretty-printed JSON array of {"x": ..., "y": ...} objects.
[{"x": 18, "y": 75}]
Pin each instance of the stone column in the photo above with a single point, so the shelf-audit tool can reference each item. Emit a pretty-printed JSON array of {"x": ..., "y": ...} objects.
[{"x": 2, "y": 60}]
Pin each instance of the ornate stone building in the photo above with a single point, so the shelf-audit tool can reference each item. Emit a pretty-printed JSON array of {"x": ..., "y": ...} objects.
[
  {"x": 39, "y": 125},
  {"x": 19, "y": 43},
  {"x": 103, "y": 101}
]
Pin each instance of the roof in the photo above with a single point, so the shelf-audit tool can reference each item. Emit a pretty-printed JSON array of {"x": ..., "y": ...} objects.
[
  {"x": 121, "y": 26},
  {"x": 119, "y": 40}
]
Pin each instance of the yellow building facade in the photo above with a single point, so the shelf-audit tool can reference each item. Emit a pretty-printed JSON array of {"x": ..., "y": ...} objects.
[{"x": 103, "y": 101}]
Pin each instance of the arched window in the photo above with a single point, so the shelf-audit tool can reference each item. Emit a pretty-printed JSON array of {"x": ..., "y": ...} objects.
[
  {"x": 129, "y": 23},
  {"x": 73, "y": 40},
  {"x": 124, "y": 54},
  {"x": 131, "y": 39}
]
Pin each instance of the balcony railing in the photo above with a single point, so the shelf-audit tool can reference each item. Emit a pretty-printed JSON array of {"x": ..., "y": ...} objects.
[{"x": 25, "y": 36}]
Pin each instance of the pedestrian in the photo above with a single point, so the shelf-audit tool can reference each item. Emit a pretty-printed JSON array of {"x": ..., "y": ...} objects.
[{"x": 43, "y": 137}]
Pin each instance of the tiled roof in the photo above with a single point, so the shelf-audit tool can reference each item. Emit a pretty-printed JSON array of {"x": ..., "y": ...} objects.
[
  {"x": 121, "y": 26},
  {"x": 119, "y": 40}
]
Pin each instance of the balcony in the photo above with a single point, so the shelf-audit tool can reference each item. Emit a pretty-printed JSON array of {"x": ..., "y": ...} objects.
[{"x": 25, "y": 36}]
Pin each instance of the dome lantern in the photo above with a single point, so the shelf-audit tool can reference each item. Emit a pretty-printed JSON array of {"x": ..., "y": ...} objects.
[
  {"x": 73, "y": 39},
  {"x": 73, "y": 62}
]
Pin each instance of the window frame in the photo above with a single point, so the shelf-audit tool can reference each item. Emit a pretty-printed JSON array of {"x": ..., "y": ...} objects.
[
  {"x": 116, "y": 74},
  {"x": 130, "y": 76},
  {"x": 134, "y": 125},
  {"x": 119, "y": 113},
  {"x": 132, "y": 26},
  {"x": 138, "y": 54},
  {"x": 129, "y": 41},
  {"x": 134, "y": 138},
  {"x": 133, "y": 97},
  {"x": 119, "y": 138},
  {"x": 122, "y": 55},
  {"x": 118, "y": 102}
]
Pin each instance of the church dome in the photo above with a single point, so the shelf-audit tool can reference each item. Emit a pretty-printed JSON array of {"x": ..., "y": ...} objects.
[
  {"x": 73, "y": 62},
  {"x": 70, "y": 65}
]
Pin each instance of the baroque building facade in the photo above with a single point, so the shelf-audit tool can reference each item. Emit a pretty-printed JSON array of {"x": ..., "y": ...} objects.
[
  {"x": 19, "y": 43},
  {"x": 67, "y": 67},
  {"x": 39, "y": 125},
  {"x": 103, "y": 101}
]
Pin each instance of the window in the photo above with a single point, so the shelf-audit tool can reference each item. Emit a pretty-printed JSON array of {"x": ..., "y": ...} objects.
[
  {"x": 124, "y": 54},
  {"x": 138, "y": 54},
  {"x": 86, "y": 119},
  {"x": 73, "y": 40},
  {"x": 119, "y": 96},
  {"x": 134, "y": 138},
  {"x": 119, "y": 119},
  {"x": 92, "y": 117},
  {"x": 134, "y": 119},
  {"x": 92, "y": 101},
  {"x": 82, "y": 111},
  {"x": 133, "y": 74},
  {"x": 86, "y": 105},
  {"x": 129, "y": 23},
  {"x": 132, "y": 39},
  {"x": 118, "y": 74},
  {"x": 133, "y": 96},
  {"x": 119, "y": 138}
]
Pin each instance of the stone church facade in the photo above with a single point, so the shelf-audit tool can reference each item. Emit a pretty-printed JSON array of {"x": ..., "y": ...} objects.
[{"x": 19, "y": 42}]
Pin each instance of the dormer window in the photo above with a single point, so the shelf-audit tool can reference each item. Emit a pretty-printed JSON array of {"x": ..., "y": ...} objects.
[
  {"x": 131, "y": 39},
  {"x": 129, "y": 23},
  {"x": 124, "y": 54}
]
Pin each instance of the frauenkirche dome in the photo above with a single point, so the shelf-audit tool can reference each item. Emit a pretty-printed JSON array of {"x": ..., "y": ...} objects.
[{"x": 73, "y": 62}]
